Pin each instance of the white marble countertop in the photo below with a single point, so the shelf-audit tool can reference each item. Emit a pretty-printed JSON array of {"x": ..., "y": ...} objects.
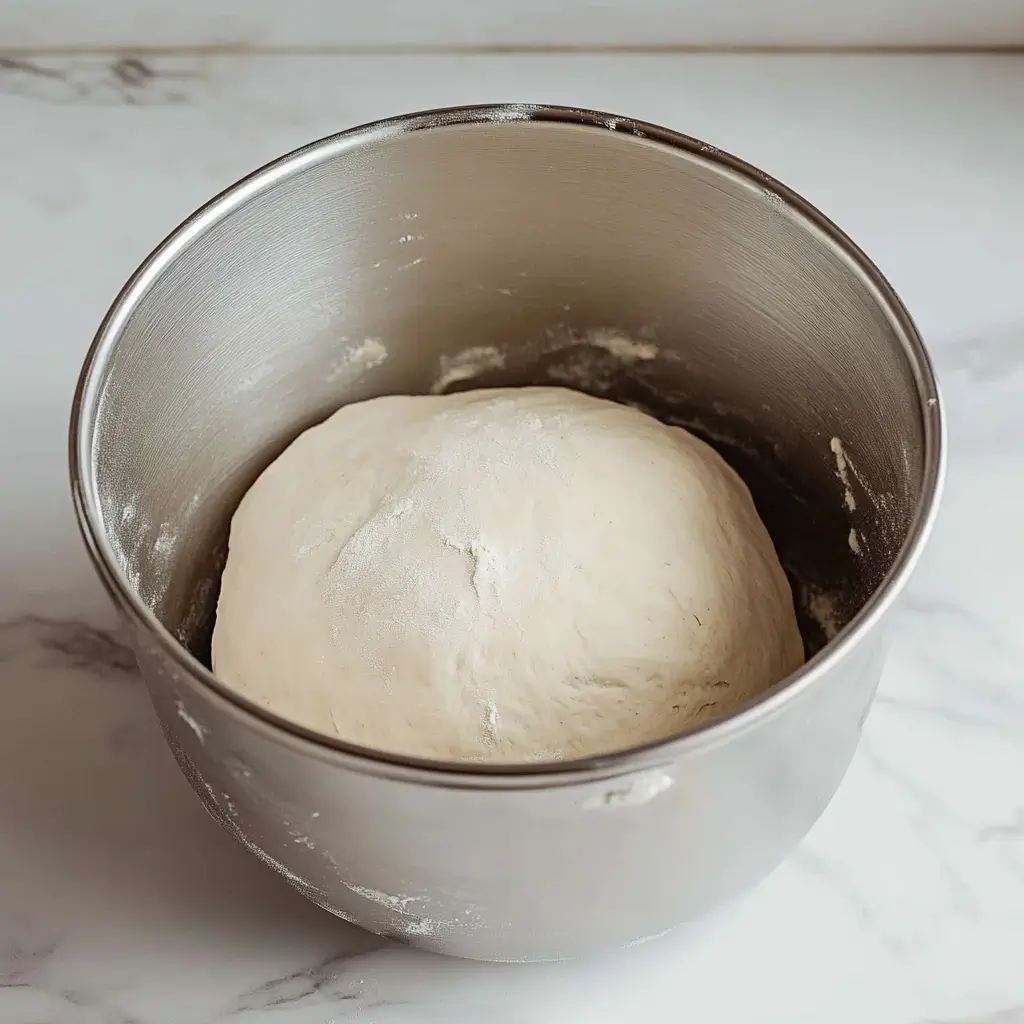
[{"x": 121, "y": 902}]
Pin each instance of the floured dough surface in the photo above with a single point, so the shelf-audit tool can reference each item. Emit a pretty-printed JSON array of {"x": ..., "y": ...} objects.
[{"x": 501, "y": 575}]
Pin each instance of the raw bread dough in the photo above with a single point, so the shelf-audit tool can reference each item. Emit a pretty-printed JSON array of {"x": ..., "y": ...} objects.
[{"x": 501, "y": 575}]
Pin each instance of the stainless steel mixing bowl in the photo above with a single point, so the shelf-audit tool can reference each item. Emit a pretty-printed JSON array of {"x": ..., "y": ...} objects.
[{"x": 558, "y": 246}]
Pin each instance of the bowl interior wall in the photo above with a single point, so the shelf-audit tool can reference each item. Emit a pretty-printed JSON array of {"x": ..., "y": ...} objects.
[{"x": 512, "y": 253}]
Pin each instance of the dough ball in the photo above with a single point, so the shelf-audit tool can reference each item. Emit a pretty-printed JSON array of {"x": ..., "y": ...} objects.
[{"x": 501, "y": 575}]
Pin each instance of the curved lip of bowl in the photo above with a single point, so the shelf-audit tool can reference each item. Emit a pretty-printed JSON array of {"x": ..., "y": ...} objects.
[{"x": 473, "y": 774}]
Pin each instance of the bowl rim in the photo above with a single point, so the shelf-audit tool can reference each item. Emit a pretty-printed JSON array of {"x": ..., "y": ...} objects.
[{"x": 88, "y": 392}]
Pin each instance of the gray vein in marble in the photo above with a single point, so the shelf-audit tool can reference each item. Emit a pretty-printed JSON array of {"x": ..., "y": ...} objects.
[
  {"x": 1012, "y": 830},
  {"x": 21, "y": 65},
  {"x": 963, "y": 697},
  {"x": 70, "y": 1005},
  {"x": 101, "y": 81},
  {"x": 18, "y": 962},
  {"x": 918, "y": 795},
  {"x": 914, "y": 604},
  {"x": 962, "y": 900},
  {"x": 956, "y": 692},
  {"x": 334, "y": 983},
  {"x": 69, "y": 642},
  {"x": 838, "y": 880},
  {"x": 932, "y": 820},
  {"x": 1011, "y": 1015},
  {"x": 987, "y": 358},
  {"x": 953, "y": 717},
  {"x": 26, "y": 970},
  {"x": 992, "y": 364},
  {"x": 1008, "y": 838},
  {"x": 323, "y": 979}
]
